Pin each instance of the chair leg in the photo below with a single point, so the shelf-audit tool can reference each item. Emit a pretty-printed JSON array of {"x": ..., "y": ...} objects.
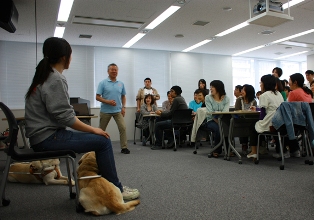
[
  {"x": 5, "y": 202},
  {"x": 75, "y": 195},
  {"x": 282, "y": 166},
  {"x": 174, "y": 138},
  {"x": 134, "y": 135}
]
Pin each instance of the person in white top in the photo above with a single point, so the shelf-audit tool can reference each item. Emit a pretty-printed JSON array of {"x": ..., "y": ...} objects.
[
  {"x": 142, "y": 92},
  {"x": 309, "y": 74},
  {"x": 269, "y": 101}
]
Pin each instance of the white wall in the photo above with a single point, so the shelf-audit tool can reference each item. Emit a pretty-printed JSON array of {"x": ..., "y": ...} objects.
[
  {"x": 310, "y": 62},
  {"x": 17, "y": 67}
]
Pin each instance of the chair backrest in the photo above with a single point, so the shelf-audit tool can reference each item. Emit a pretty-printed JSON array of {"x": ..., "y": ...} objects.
[
  {"x": 182, "y": 116},
  {"x": 13, "y": 128}
]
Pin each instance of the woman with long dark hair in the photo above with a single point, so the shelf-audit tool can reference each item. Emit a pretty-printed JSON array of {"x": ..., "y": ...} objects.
[
  {"x": 269, "y": 101},
  {"x": 202, "y": 85},
  {"x": 217, "y": 101},
  {"x": 244, "y": 102},
  {"x": 48, "y": 112}
]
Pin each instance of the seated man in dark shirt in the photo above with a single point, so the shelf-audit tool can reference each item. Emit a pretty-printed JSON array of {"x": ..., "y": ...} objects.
[{"x": 178, "y": 103}]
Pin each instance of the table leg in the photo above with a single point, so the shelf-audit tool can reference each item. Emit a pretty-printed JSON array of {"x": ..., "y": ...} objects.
[{"x": 230, "y": 139}]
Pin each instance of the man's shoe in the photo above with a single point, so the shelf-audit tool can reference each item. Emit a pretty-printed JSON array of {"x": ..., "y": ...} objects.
[
  {"x": 285, "y": 155},
  {"x": 295, "y": 154},
  {"x": 170, "y": 145},
  {"x": 129, "y": 194},
  {"x": 125, "y": 151},
  {"x": 156, "y": 147}
]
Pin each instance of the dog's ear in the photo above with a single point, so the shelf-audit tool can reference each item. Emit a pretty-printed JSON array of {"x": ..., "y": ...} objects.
[
  {"x": 82, "y": 158},
  {"x": 36, "y": 165}
]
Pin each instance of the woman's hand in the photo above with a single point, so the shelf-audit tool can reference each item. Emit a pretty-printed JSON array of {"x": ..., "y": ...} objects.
[
  {"x": 253, "y": 108},
  {"x": 99, "y": 131},
  {"x": 158, "y": 112}
]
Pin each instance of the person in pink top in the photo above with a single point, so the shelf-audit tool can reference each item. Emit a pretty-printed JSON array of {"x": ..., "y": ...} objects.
[{"x": 299, "y": 93}]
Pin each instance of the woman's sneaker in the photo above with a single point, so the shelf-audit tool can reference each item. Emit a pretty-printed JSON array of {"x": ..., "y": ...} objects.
[{"x": 130, "y": 194}]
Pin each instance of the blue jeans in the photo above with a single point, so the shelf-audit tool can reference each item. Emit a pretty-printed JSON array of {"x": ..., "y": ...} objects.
[
  {"x": 159, "y": 127},
  {"x": 213, "y": 127},
  {"x": 81, "y": 142}
]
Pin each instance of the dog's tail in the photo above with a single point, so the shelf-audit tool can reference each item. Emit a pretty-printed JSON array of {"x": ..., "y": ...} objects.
[{"x": 120, "y": 208}]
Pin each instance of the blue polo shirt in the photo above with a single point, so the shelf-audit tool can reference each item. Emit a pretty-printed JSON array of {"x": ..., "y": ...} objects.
[{"x": 112, "y": 91}]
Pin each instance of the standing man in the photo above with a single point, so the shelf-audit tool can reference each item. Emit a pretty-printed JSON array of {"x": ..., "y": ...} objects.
[
  {"x": 111, "y": 94},
  {"x": 309, "y": 74},
  {"x": 148, "y": 89},
  {"x": 178, "y": 103}
]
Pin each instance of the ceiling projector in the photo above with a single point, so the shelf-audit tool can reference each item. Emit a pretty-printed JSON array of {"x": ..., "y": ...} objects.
[{"x": 273, "y": 6}]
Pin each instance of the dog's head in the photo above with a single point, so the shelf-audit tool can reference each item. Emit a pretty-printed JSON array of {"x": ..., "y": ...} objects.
[
  {"x": 87, "y": 165},
  {"x": 44, "y": 165}
]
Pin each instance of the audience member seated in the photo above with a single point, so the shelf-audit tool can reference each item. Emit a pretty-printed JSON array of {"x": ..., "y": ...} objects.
[
  {"x": 202, "y": 85},
  {"x": 258, "y": 94},
  {"x": 244, "y": 102},
  {"x": 146, "y": 109},
  {"x": 237, "y": 91},
  {"x": 312, "y": 88},
  {"x": 269, "y": 101},
  {"x": 148, "y": 89},
  {"x": 299, "y": 92},
  {"x": 166, "y": 105},
  {"x": 195, "y": 104},
  {"x": 277, "y": 72},
  {"x": 217, "y": 101},
  {"x": 309, "y": 74},
  {"x": 287, "y": 91},
  {"x": 279, "y": 88},
  {"x": 178, "y": 103}
]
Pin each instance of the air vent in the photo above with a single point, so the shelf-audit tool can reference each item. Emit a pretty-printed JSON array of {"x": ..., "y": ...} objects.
[
  {"x": 201, "y": 23},
  {"x": 85, "y": 36},
  {"x": 279, "y": 53}
]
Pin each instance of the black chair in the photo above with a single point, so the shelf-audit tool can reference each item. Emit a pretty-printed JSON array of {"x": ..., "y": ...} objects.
[
  {"x": 138, "y": 125},
  {"x": 181, "y": 118},
  {"x": 14, "y": 154}
]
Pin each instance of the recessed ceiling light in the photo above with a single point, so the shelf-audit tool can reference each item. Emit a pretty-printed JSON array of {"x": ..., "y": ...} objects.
[
  {"x": 181, "y": 2},
  {"x": 179, "y": 35},
  {"x": 227, "y": 8},
  {"x": 267, "y": 32}
]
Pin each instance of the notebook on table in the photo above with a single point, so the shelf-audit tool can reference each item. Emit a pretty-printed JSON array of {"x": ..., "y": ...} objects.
[{"x": 81, "y": 109}]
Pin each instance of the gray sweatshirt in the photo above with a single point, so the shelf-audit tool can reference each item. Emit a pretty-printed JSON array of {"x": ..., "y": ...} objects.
[{"x": 48, "y": 109}]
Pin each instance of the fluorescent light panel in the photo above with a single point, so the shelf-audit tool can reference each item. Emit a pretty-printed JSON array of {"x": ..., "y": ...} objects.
[
  {"x": 152, "y": 25},
  {"x": 291, "y": 55},
  {"x": 230, "y": 30},
  {"x": 59, "y": 32},
  {"x": 276, "y": 42},
  {"x": 291, "y": 3},
  {"x": 162, "y": 17},
  {"x": 293, "y": 36},
  {"x": 64, "y": 10},
  {"x": 106, "y": 22},
  {"x": 133, "y": 40},
  {"x": 196, "y": 45}
]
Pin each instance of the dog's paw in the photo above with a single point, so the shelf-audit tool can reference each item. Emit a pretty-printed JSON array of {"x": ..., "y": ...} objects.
[{"x": 72, "y": 182}]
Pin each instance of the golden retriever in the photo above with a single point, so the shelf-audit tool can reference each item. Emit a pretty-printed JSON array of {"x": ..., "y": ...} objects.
[
  {"x": 98, "y": 195},
  {"x": 47, "y": 171}
]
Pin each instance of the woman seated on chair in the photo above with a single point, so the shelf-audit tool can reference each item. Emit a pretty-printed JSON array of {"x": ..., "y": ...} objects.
[
  {"x": 269, "y": 101},
  {"x": 48, "y": 112},
  {"x": 146, "y": 109},
  {"x": 299, "y": 92},
  {"x": 217, "y": 101},
  {"x": 244, "y": 102}
]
